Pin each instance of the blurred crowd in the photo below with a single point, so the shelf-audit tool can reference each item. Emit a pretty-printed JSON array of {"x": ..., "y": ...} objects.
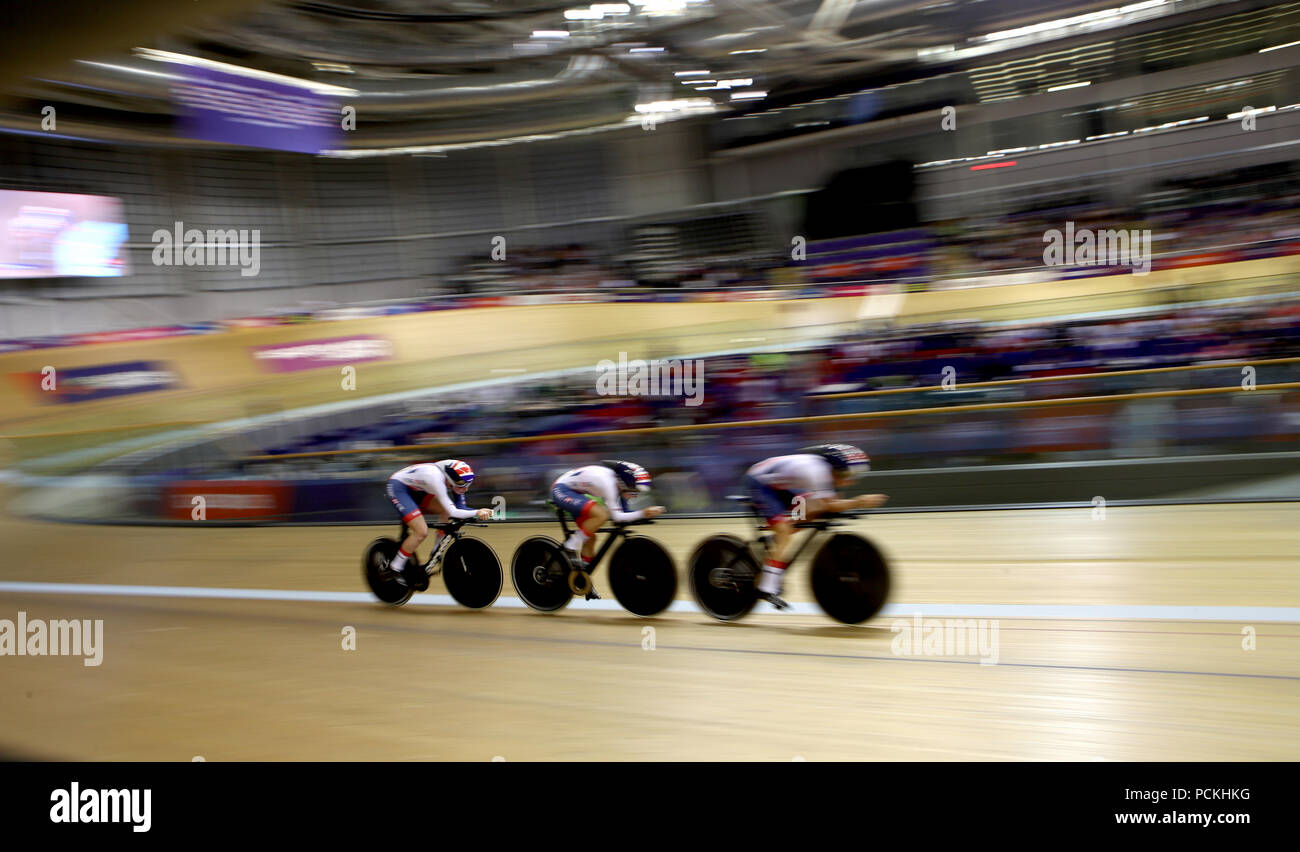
[
  {"x": 586, "y": 268},
  {"x": 1231, "y": 216},
  {"x": 571, "y": 266},
  {"x": 1212, "y": 233},
  {"x": 766, "y": 386}
]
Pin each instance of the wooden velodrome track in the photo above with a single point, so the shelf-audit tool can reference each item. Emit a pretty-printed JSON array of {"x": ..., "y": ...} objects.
[{"x": 1123, "y": 677}]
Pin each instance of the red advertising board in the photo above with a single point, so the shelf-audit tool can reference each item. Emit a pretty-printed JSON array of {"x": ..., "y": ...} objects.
[{"x": 244, "y": 499}]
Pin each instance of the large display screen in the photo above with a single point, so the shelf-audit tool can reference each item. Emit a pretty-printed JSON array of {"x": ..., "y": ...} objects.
[{"x": 53, "y": 234}]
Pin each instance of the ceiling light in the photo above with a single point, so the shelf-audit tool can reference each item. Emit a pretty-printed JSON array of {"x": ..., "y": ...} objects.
[
  {"x": 1253, "y": 111},
  {"x": 660, "y": 7},
  {"x": 253, "y": 73},
  {"x": 678, "y": 105},
  {"x": 1070, "y": 86},
  {"x": 1103, "y": 16},
  {"x": 1229, "y": 85},
  {"x": 336, "y": 67}
]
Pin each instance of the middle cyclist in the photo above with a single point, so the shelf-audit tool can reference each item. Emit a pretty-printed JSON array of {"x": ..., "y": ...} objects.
[{"x": 594, "y": 494}]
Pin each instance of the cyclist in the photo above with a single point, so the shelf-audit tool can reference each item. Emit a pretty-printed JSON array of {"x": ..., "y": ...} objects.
[
  {"x": 412, "y": 489},
  {"x": 802, "y": 486},
  {"x": 594, "y": 494}
]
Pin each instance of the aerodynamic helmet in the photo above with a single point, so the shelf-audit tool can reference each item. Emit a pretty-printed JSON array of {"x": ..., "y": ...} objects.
[
  {"x": 842, "y": 457},
  {"x": 459, "y": 474},
  {"x": 631, "y": 476}
]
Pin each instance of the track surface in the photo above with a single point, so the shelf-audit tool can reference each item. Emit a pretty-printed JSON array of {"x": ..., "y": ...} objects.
[{"x": 231, "y": 679}]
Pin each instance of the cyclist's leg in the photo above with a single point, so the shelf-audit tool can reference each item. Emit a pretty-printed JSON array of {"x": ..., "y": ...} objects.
[
  {"x": 596, "y": 518},
  {"x": 417, "y": 530},
  {"x": 774, "y": 506},
  {"x": 588, "y": 515},
  {"x": 442, "y": 518}
]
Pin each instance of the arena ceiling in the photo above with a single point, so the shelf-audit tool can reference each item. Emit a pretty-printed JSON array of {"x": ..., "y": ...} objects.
[{"x": 430, "y": 72}]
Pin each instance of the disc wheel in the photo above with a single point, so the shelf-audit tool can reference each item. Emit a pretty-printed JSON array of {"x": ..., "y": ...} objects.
[
  {"x": 382, "y": 582},
  {"x": 472, "y": 573},
  {"x": 850, "y": 578},
  {"x": 642, "y": 576},
  {"x": 541, "y": 574},
  {"x": 724, "y": 577}
]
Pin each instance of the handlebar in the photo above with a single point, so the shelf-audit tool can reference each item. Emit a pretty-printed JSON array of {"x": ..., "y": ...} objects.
[
  {"x": 456, "y": 523},
  {"x": 831, "y": 519},
  {"x": 615, "y": 526}
]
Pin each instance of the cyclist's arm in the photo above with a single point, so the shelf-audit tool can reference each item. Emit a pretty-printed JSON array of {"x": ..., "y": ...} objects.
[
  {"x": 616, "y": 504},
  {"x": 835, "y": 505},
  {"x": 437, "y": 486},
  {"x": 623, "y": 517}
]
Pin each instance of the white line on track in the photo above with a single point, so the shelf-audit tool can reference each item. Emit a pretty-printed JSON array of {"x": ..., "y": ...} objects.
[{"x": 1139, "y": 612}]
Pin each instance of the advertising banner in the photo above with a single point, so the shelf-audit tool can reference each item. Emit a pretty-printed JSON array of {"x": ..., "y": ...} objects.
[
  {"x": 312, "y": 354},
  {"x": 84, "y": 384},
  {"x": 224, "y": 107},
  {"x": 227, "y": 500}
]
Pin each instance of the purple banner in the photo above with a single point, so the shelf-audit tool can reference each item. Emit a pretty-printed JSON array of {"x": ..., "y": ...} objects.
[
  {"x": 310, "y": 354},
  {"x": 222, "y": 107},
  {"x": 84, "y": 384}
]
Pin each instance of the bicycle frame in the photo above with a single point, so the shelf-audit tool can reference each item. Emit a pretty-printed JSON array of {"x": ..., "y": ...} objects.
[
  {"x": 616, "y": 533},
  {"x": 452, "y": 530},
  {"x": 818, "y": 526}
]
